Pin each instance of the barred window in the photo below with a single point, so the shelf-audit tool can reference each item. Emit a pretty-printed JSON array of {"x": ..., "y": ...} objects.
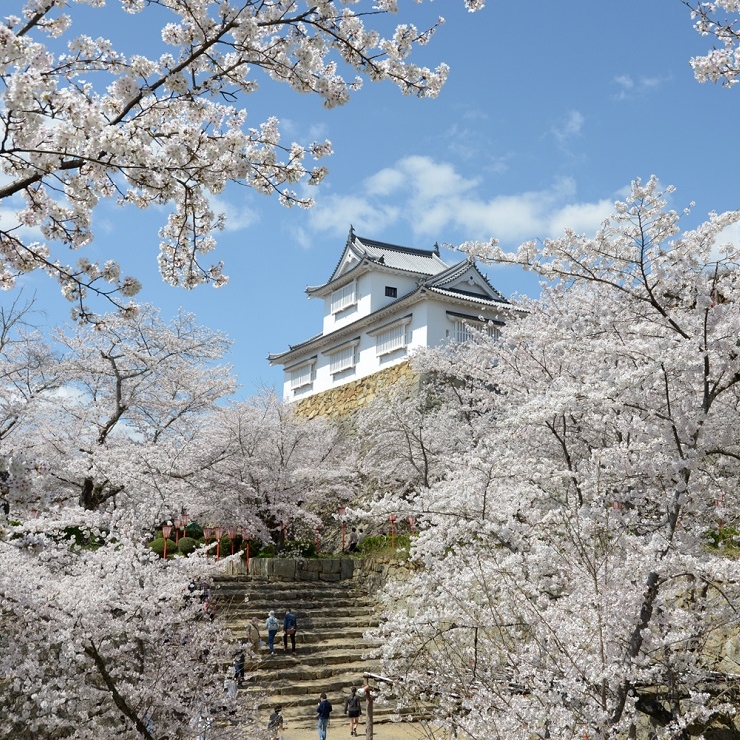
[
  {"x": 343, "y": 297},
  {"x": 469, "y": 331},
  {"x": 302, "y": 376},
  {"x": 342, "y": 360},
  {"x": 390, "y": 340}
]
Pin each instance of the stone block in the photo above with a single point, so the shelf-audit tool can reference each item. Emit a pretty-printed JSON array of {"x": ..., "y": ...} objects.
[
  {"x": 259, "y": 567},
  {"x": 329, "y": 576},
  {"x": 283, "y": 568},
  {"x": 332, "y": 566},
  {"x": 311, "y": 566},
  {"x": 304, "y": 575},
  {"x": 347, "y": 568}
]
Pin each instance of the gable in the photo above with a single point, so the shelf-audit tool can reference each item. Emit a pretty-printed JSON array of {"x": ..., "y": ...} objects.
[
  {"x": 348, "y": 261},
  {"x": 471, "y": 283},
  {"x": 466, "y": 279}
]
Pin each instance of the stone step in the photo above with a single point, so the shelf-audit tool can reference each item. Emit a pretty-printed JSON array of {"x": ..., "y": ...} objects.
[
  {"x": 310, "y": 688},
  {"x": 322, "y": 617},
  {"x": 312, "y": 588},
  {"x": 260, "y": 608},
  {"x": 331, "y": 652},
  {"x": 259, "y": 605},
  {"x": 309, "y": 655},
  {"x": 351, "y": 631},
  {"x": 299, "y": 674},
  {"x": 319, "y": 624},
  {"x": 303, "y": 716}
]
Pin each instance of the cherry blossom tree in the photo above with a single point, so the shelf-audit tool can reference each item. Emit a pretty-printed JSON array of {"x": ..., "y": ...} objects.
[
  {"x": 136, "y": 391},
  {"x": 572, "y": 578},
  {"x": 719, "y": 20},
  {"x": 82, "y": 121},
  {"x": 407, "y": 437},
  {"x": 277, "y": 473},
  {"x": 29, "y": 372},
  {"x": 101, "y": 638}
]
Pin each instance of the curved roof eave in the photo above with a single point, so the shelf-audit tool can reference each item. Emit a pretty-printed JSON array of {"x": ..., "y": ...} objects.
[
  {"x": 326, "y": 339},
  {"x": 320, "y": 340}
]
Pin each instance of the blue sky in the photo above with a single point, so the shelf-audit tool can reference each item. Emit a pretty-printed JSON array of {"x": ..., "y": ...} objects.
[{"x": 549, "y": 112}]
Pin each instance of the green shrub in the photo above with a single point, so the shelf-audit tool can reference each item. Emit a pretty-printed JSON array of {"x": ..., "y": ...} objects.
[
  {"x": 185, "y": 546},
  {"x": 226, "y": 546},
  {"x": 726, "y": 539},
  {"x": 299, "y": 549},
  {"x": 380, "y": 546},
  {"x": 81, "y": 537},
  {"x": 157, "y": 545},
  {"x": 194, "y": 531},
  {"x": 374, "y": 544}
]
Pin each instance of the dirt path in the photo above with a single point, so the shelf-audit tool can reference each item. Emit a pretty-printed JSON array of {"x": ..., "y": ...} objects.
[{"x": 339, "y": 730}]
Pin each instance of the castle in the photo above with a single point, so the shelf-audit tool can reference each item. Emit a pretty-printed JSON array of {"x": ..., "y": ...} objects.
[{"x": 381, "y": 302}]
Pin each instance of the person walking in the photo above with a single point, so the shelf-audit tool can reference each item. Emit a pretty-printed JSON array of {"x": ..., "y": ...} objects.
[
  {"x": 290, "y": 625},
  {"x": 239, "y": 664},
  {"x": 230, "y": 690},
  {"x": 353, "y": 710},
  {"x": 272, "y": 626},
  {"x": 253, "y": 635},
  {"x": 323, "y": 710},
  {"x": 276, "y": 724},
  {"x": 353, "y": 540}
]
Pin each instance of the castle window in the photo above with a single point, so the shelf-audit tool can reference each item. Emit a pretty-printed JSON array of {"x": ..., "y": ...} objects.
[
  {"x": 467, "y": 331},
  {"x": 343, "y": 359},
  {"x": 391, "y": 292},
  {"x": 471, "y": 328},
  {"x": 390, "y": 340},
  {"x": 343, "y": 297},
  {"x": 302, "y": 376},
  {"x": 391, "y": 336}
]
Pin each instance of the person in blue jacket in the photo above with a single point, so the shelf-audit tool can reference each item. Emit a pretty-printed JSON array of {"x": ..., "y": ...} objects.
[
  {"x": 323, "y": 710},
  {"x": 272, "y": 626},
  {"x": 290, "y": 625}
]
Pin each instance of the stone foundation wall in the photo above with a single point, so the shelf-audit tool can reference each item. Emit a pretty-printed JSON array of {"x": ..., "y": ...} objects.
[
  {"x": 340, "y": 402},
  {"x": 372, "y": 574},
  {"x": 302, "y": 569}
]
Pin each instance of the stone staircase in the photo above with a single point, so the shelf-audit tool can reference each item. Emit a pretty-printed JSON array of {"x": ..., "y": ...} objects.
[{"x": 330, "y": 649}]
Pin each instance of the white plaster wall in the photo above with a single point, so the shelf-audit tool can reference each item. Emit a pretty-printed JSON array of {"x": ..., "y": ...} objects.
[
  {"x": 438, "y": 323},
  {"x": 363, "y": 307},
  {"x": 378, "y": 282},
  {"x": 429, "y": 326}
]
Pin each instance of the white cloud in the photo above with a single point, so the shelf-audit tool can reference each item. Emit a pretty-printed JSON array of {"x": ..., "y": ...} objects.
[
  {"x": 437, "y": 202},
  {"x": 730, "y": 235},
  {"x": 237, "y": 216},
  {"x": 632, "y": 88},
  {"x": 385, "y": 182},
  {"x": 336, "y": 213},
  {"x": 569, "y": 126}
]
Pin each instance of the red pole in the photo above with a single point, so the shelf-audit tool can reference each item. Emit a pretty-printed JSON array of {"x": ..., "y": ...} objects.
[
  {"x": 219, "y": 533},
  {"x": 392, "y": 519},
  {"x": 166, "y": 532},
  {"x": 341, "y": 511}
]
